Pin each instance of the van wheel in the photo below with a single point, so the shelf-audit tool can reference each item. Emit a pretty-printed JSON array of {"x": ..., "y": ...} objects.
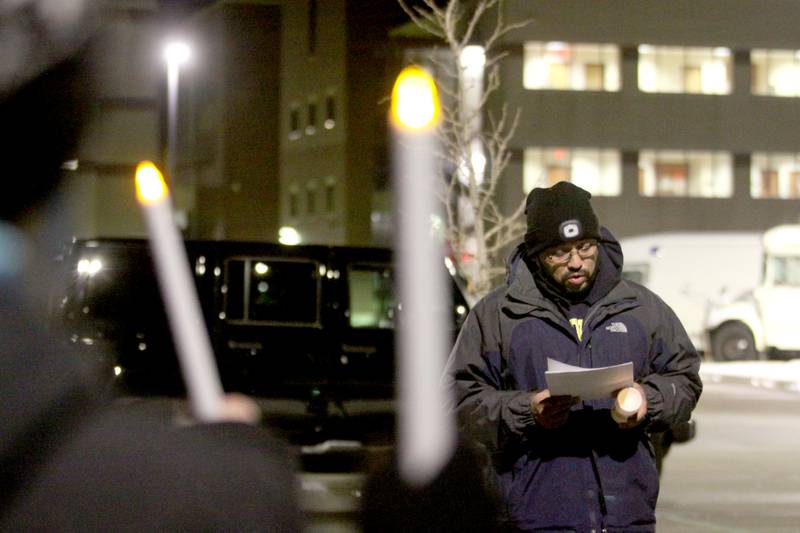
[{"x": 733, "y": 342}]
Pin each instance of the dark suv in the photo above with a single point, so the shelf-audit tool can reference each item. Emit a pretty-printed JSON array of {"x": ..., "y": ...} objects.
[{"x": 308, "y": 323}]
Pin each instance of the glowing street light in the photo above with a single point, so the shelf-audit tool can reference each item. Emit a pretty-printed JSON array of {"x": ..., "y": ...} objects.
[
  {"x": 176, "y": 54},
  {"x": 289, "y": 236}
]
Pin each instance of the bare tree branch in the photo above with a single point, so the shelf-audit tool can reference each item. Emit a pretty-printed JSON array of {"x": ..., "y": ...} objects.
[{"x": 482, "y": 230}]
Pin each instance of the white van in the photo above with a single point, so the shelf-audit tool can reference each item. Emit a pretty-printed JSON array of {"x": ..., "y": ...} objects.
[
  {"x": 694, "y": 271},
  {"x": 764, "y": 322},
  {"x": 736, "y": 293}
]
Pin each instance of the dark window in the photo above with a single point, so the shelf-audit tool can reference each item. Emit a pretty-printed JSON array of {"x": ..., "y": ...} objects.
[
  {"x": 311, "y": 128},
  {"x": 266, "y": 290},
  {"x": 234, "y": 290},
  {"x": 311, "y": 200},
  {"x": 294, "y": 208},
  {"x": 103, "y": 293},
  {"x": 312, "y": 27},
  {"x": 330, "y": 197},
  {"x": 294, "y": 123},
  {"x": 330, "y": 112}
]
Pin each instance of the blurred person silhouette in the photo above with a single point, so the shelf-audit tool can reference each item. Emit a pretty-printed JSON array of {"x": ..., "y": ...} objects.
[
  {"x": 562, "y": 463},
  {"x": 71, "y": 459}
]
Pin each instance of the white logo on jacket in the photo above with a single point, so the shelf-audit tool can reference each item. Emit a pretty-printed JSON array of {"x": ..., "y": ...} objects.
[{"x": 617, "y": 327}]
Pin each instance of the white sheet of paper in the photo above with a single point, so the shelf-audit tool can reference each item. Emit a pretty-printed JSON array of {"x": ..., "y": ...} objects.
[{"x": 587, "y": 383}]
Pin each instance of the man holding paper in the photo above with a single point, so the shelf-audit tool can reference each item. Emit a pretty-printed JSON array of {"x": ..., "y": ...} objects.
[{"x": 566, "y": 316}]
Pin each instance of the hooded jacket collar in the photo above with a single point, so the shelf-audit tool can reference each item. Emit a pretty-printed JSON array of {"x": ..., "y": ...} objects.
[{"x": 523, "y": 293}]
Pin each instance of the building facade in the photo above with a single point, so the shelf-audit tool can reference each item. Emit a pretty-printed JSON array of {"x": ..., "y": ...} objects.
[
  {"x": 280, "y": 120},
  {"x": 337, "y": 73},
  {"x": 125, "y": 125},
  {"x": 675, "y": 115}
]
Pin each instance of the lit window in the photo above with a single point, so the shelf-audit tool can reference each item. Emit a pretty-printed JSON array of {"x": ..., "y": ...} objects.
[
  {"x": 372, "y": 303},
  {"x": 685, "y": 173},
  {"x": 785, "y": 271},
  {"x": 599, "y": 171},
  {"x": 574, "y": 67},
  {"x": 671, "y": 69},
  {"x": 775, "y": 176},
  {"x": 775, "y": 72}
]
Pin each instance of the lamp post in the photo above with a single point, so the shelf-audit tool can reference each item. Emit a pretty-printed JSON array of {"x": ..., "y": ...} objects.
[{"x": 176, "y": 54}]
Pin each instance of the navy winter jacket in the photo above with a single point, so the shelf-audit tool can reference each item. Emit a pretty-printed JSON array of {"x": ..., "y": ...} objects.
[{"x": 588, "y": 475}]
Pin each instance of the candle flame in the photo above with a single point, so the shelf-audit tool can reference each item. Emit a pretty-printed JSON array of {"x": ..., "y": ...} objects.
[
  {"x": 415, "y": 100},
  {"x": 150, "y": 185}
]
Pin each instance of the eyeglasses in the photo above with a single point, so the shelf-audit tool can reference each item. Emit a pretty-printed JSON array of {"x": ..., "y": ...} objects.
[{"x": 563, "y": 254}]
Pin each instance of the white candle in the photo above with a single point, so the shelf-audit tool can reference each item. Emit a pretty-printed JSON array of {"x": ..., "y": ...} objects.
[
  {"x": 192, "y": 344},
  {"x": 627, "y": 404},
  {"x": 426, "y": 429}
]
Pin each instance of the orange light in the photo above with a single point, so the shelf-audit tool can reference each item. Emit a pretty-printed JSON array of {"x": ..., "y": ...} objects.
[
  {"x": 150, "y": 185},
  {"x": 415, "y": 100}
]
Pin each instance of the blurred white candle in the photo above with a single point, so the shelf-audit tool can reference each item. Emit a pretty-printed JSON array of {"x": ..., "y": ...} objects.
[
  {"x": 186, "y": 322},
  {"x": 426, "y": 438}
]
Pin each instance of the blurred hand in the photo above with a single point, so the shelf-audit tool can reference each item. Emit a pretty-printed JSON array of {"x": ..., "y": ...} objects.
[
  {"x": 236, "y": 407},
  {"x": 241, "y": 408},
  {"x": 549, "y": 411},
  {"x": 636, "y": 418}
]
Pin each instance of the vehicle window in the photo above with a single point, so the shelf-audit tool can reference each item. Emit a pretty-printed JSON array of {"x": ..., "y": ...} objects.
[
  {"x": 115, "y": 285},
  {"x": 259, "y": 290},
  {"x": 787, "y": 271},
  {"x": 372, "y": 302}
]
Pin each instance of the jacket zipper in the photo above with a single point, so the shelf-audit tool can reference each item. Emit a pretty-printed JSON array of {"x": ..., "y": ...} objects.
[
  {"x": 601, "y": 497},
  {"x": 585, "y": 346}
]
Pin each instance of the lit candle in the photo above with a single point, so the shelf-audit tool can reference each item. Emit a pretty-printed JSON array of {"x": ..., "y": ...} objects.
[
  {"x": 426, "y": 429},
  {"x": 627, "y": 404},
  {"x": 191, "y": 339}
]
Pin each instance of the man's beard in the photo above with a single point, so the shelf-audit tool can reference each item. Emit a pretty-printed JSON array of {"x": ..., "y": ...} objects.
[{"x": 583, "y": 281}]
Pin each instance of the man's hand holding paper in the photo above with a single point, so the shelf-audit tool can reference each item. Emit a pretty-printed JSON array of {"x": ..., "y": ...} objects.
[
  {"x": 587, "y": 383},
  {"x": 570, "y": 382}
]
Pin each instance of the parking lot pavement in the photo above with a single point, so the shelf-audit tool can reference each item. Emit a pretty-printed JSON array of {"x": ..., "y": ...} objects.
[{"x": 766, "y": 374}]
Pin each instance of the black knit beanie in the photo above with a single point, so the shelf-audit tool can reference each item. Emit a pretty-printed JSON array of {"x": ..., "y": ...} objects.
[{"x": 562, "y": 213}]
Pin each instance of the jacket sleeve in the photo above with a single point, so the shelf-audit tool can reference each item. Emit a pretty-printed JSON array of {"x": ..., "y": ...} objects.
[
  {"x": 486, "y": 412},
  {"x": 673, "y": 386}
]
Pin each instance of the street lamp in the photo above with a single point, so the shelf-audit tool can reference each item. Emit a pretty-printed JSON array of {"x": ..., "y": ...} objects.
[{"x": 176, "y": 54}]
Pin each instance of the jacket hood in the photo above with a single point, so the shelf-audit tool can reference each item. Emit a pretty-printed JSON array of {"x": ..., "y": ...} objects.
[{"x": 520, "y": 273}]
